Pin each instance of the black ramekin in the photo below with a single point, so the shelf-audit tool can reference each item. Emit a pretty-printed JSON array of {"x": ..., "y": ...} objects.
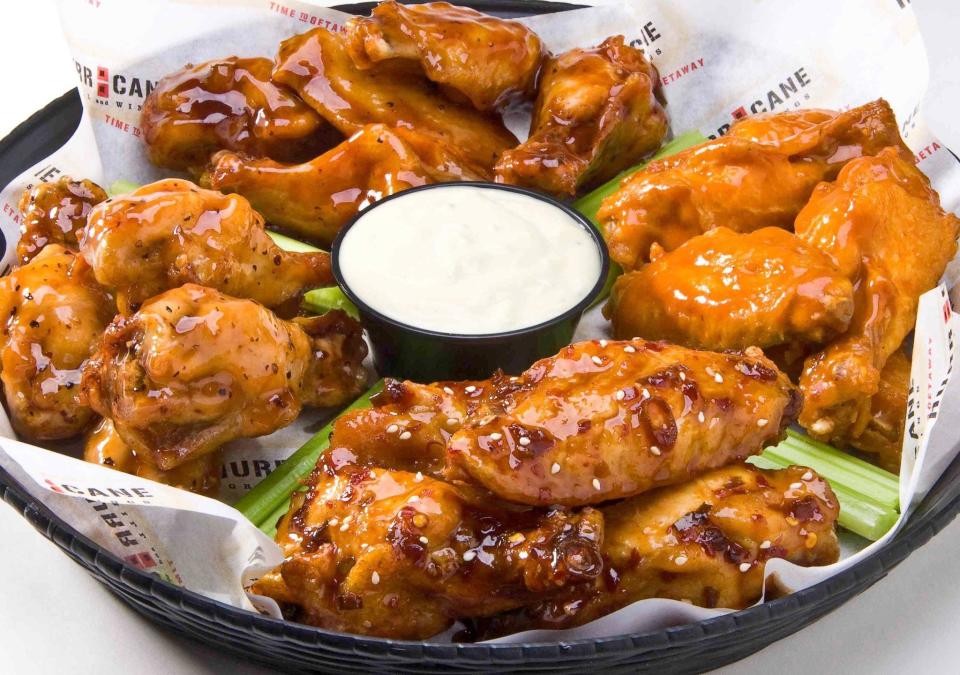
[{"x": 408, "y": 352}]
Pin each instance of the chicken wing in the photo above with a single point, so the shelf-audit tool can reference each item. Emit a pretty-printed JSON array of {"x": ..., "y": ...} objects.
[
  {"x": 704, "y": 542},
  {"x": 54, "y": 213},
  {"x": 398, "y": 555},
  {"x": 229, "y": 104},
  {"x": 726, "y": 290},
  {"x": 317, "y": 65},
  {"x": 882, "y": 224},
  {"x": 194, "y": 368},
  {"x": 489, "y": 61},
  {"x": 105, "y": 447},
  {"x": 172, "y": 232},
  {"x": 743, "y": 181},
  {"x": 315, "y": 199},
  {"x": 882, "y": 439},
  {"x": 596, "y": 115},
  {"x": 55, "y": 313}
]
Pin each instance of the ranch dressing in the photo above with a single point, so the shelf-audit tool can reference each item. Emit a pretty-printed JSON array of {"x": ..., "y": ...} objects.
[{"x": 468, "y": 260}]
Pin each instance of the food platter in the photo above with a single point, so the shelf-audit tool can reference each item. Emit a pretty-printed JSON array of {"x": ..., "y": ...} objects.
[{"x": 689, "y": 647}]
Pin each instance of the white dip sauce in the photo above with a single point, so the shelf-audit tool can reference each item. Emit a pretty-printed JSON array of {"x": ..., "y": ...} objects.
[{"x": 469, "y": 260}]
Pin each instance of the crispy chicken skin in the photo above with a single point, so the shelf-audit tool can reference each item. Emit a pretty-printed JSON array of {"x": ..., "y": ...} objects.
[
  {"x": 606, "y": 420},
  {"x": 758, "y": 175},
  {"x": 596, "y": 115},
  {"x": 727, "y": 290},
  {"x": 104, "y": 446},
  {"x": 229, "y": 104},
  {"x": 882, "y": 439},
  {"x": 489, "y": 61},
  {"x": 54, "y": 213},
  {"x": 54, "y": 315},
  {"x": 882, "y": 224},
  {"x": 394, "y": 554},
  {"x": 172, "y": 232},
  {"x": 195, "y": 368},
  {"x": 316, "y": 198},
  {"x": 705, "y": 542},
  {"x": 318, "y": 66}
]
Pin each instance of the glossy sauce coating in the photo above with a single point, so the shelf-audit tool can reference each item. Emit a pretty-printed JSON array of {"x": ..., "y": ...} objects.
[
  {"x": 172, "y": 232},
  {"x": 104, "y": 446},
  {"x": 726, "y": 290},
  {"x": 606, "y": 420},
  {"x": 315, "y": 199},
  {"x": 194, "y": 368},
  {"x": 317, "y": 65},
  {"x": 882, "y": 439},
  {"x": 489, "y": 61},
  {"x": 596, "y": 115},
  {"x": 401, "y": 555},
  {"x": 229, "y": 104},
  {"x": 882, "y": 224},
  {"x": 760, "y": 177},
  {"x": 55, "y": 213},
  {"x": 54, "y": 314},
  {"x": 705, "y": 542}
]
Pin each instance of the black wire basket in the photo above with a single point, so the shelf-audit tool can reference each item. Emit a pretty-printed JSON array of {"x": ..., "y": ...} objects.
[{"x": 687, "y": 648}]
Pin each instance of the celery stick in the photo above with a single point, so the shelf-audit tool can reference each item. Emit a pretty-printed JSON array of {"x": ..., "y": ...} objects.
[
  {"x": 322, "y": 300},
  {"x": 269, "y": 495},
  {"x": 121, "y": 187},
  {"x": 290, "y": 244},
  {"x": 269, "y": 524}
]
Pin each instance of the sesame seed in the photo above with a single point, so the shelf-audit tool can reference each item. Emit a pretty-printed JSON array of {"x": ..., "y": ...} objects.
[
  {"x": 762, "y": 422},
  {"x": 796, "y": 486},
  {"x": 683, "y": 376},
  {"x": 621, "y": 395},
  {"x": 375, "y": 578},
  {"x": 765, "y": 544},
  {"x": 745, "y": 567},
  {"x": 414, "y": 499},
  {"x": 524, "y": 441},
  {"x": 603, "y": 343},
  {"x": 373, "y": 474},
  {"x": 469, "y": 555},
  {"x": 406, "y": 435},
  {"x": 630, "y": 349},
  {"x": 710, "y": 371},
  {"x": 470, "y": 389},
  {"x": 345, "y": 526},
  {"x": 517, "y": 537},
  {"x": 514, "y": 378},
  {"x": 646, "y": 394},
  {"x": 635, "y": 338},
  {"x": 719, "y": 378},
  {"x": 424, "y": 540},
  {"x": 496, "y": 435},
  {"x": 452, "y": 422},
  {"x": 448, "y": 391},
  {"x": 392, "y": 429},
  {"x": 680, "y": 560},
  {"x": 523, "y": 555},
  {"x": 367, "y": 623},
  {"x": 419, "y": 477},
  {"x": 807, "y": 476},
  {"x": 333, "y": 522},
  {"x": 654, "y": 450},
  {"x": 701, "y": 416},
  {"x": 596, "y": 483},
  {"x": 555, "y": 468},
  {"x": 596, "y": 359},
  {"x": 811, "y": 540}
]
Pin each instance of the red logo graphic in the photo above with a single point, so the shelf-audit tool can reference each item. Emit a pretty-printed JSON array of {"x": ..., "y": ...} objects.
[
  {"x": 103, "y": 82},
  {"x": 142, "y": 560},
  {"x": 739, "y": 113}
]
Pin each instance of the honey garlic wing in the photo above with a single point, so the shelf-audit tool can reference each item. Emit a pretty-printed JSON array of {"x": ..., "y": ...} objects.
[
  {"x": 172, "y": 232},
  {"x": 229, "y": 104},
  {"x": 55, "y": 213},
  {"x": 399, "y": 555},
  {"x": 318, "y": 66},
  {"x": 705, "y": 542},
  {"x": 596, "y": 115},
  {"x": 194, "y": 369},
  {"x": 726, "y": 290},
  {"x": 488, "y": 60},
  {"x": 54, "y": 315},
  {"x": 883, "y": 226},
  {"x": 741, "y": 182},
  {"x": 607, "y": 420},
  {"x": 316, "y": 198}
]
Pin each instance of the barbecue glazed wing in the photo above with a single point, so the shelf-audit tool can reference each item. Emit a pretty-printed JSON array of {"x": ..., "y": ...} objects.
[
  {"x": 317, "y": 65},
  {"x": 489, "y": 61},
  {"x": 54, "y": 213},
  {"x": 606, "y": 420},
  {"x": 55, "y": 314},
  {"x": 882, "y": 224},
  {"x": 596, "y": 115},
  {"x": 194, "y": 368},
  {"x": 105, "y": 447},
  {"x": 395, "y": 554},
  {"x": 744, "y": 183},
  {"x": 882, "y": 439},
  {"x": 172, "y": 232},
  {"x": 705, "y": 542},
  {"x": 229, "y": 104},
  {"x": 726, "y": 290},
  {"x": 316, "y": 198}
]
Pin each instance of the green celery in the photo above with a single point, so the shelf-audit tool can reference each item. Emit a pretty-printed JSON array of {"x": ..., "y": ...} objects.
[
  {"x": 121, "y": 187},
  {"x": 269, "y": 524},
  {"x": 321, "y": 300},
  {"x": 268, "y": 496},
  {"x": 290, "y": 244}
]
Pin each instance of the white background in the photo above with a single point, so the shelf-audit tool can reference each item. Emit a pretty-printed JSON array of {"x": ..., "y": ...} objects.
[{"x": 55, "y": 617}]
